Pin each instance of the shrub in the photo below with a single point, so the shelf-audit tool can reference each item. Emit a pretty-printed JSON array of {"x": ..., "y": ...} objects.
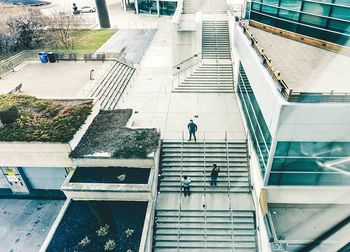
[
  {"x": 110, "y": 245},
  {"x": 8, "y": 114},
  {"x": 103, "y": 230}
]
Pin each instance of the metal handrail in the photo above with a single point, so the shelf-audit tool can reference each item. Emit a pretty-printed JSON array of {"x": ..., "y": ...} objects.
[
  {"x": 205, "y": 199},
  {"x": 188, "y": 59},
  {"x": 217, "y": 56},
  {"x": 179, "y": 212},
  {"x": 228, "y": 193}
]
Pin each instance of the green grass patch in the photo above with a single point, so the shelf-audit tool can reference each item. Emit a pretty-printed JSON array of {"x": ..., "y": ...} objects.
[
  {"x": 90, "y": 40},
  {"x": 43, "y": 120}
]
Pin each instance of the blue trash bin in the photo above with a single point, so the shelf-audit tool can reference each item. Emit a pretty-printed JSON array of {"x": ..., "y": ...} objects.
[{"x": 43, "y": 57}]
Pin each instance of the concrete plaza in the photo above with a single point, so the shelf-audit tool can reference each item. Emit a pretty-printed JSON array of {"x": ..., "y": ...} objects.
[
  {"x": 62, "y": 79},
  {"x": 24, "y": 223}
]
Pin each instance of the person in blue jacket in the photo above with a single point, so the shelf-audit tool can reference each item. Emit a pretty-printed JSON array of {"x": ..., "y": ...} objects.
[{"x": 192, "y": 128}]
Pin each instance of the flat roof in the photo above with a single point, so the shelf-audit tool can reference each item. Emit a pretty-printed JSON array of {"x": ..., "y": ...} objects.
[
  {"x": 305, "y": 68},
  {"x": 62, "y": 79}
]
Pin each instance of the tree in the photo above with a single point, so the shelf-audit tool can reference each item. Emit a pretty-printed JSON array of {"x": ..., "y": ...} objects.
[
  {"x": 64, "y": 28},
  {"x": 28, "y": 28}
]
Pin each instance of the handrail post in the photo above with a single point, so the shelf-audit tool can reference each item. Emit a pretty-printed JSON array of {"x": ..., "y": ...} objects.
[{"x": 205, "y": 202}]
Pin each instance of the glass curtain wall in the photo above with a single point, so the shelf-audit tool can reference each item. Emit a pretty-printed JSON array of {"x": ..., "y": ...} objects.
[
  {"x": 323, "y": 19},
  {"x": 148, "y": 6},
  {"x": 257, "y": 126},
  {"x": 311, "y": 164}
]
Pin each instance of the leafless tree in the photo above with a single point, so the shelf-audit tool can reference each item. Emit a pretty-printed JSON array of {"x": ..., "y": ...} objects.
[{"x": 64, "y": 28}]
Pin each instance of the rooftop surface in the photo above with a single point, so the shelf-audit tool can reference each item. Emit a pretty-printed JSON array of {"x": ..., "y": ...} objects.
[
  {"x": 62, "y": 79},
  {"x": 25, "y": 223},
  {"x": 303, "y": 67},
  {"x": 40, "y": 120},
  {"x": 108, "y": 135}
]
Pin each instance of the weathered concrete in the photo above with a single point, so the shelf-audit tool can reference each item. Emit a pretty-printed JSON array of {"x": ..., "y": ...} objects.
[
  {"x": 24, "y": 224},
  {"x": 132, "y": 43}
]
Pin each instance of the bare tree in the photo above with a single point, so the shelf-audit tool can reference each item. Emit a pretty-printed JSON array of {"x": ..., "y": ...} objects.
[{"x": 64, "y": 28}]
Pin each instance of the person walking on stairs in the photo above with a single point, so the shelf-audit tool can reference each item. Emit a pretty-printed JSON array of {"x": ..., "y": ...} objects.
[
  {"x": 186, "y": 185},
  {"x": 214, "y": 175},
  {"x": 192, "y": 128}
]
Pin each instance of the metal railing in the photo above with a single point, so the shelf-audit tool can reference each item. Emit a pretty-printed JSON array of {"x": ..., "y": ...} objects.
[
  {"x": 205, "y": 190},
  {"x": 73, "y": 55},
  {"x": 217, "y": 56},
  {"x": 197, "y": 57},
  {"x": 228, "y": 191},
  {"x": 289, "y": 94}
]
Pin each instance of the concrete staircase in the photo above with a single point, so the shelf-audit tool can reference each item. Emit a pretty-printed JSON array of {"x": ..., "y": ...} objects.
[
  {"x": 196, "y": 160},
  {"x": 112, "y": 85},
  {"x": 205, "y": 6},
  {"x": 209, "y": 77},
  {"x": 214, "y": 74},
  {"x": 215, "y": 40},
  {"x": 187, "y": 227},
  {"x": 205, "y": 230}
]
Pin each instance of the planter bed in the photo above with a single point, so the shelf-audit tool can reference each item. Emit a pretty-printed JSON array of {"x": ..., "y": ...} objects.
[
  {"x": 110, "y": 175},
  {"x": 84, "y": 218}
]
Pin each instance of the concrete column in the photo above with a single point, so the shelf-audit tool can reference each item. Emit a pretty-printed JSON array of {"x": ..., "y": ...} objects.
[
  {"x": 102, "y": 11},
  {"x": 137, "y": 6},
  {"x": 158, "y": 8}
]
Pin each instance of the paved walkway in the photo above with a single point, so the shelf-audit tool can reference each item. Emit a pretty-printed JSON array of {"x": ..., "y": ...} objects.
[{"x": 157, "y": 107}]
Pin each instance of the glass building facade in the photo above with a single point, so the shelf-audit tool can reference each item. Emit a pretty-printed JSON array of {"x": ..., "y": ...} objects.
[
  {"x": 311, "y": 164},
  {"x": 257, "y": 126},
  {"x": 327, "y": 20},
  {"x": 157, "y": 7}
]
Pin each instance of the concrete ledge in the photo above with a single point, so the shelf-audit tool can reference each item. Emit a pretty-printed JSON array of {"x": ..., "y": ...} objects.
[
  {"x": 104, "y": 162},
  {"x": 308, "y": 195}
]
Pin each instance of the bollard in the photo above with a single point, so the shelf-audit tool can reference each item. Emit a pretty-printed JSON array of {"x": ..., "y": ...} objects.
[{"x": 92, "y": 71}]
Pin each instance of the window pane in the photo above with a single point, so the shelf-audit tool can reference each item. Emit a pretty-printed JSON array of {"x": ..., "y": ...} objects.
[
  {"x": 318, "y": 9},
  {"x": 256, "y": 6},
  {"x": 269, "y": 10},
  {"x": 312, "y": 20},
  {"x": 342, "y": 2},
  {"x": 272, "y": 2},
  {"x": 341, "y": 13},
  {"x": 339, "y": 26},
  {"x": 291, "y": 15},
  {"x": 291, "y": 4}
]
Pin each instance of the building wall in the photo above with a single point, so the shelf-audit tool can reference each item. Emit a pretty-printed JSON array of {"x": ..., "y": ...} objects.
[
  {"x": 43, "y": 177},
  {"x": 323, "y": 19},
  {"x": 310, "y": 141}
]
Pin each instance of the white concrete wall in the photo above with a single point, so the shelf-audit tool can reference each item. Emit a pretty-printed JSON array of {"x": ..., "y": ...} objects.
[
  {"x": 264, "y": 88},
  {"x": 34, "y": 154},
  {"x": 308, "y": 195},
  {"x": 43, "y": 177},
  {"x": 326, "y": 122}
]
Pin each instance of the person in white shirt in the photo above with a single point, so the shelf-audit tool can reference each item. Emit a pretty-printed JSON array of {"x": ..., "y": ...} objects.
[{"x": 186, "y": 185}]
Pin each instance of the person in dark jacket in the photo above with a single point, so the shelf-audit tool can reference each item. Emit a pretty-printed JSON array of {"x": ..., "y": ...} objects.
[
  {"x": 186, "y": 185},
  {"x": 192, "y": 128},
  {"x": 214, "y": 175}
]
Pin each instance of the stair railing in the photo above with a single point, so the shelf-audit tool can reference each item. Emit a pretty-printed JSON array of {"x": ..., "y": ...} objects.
[
  {"x": 178, "y": 226},
  {"x": 228, "y": 193},
  {"x": 228, "y": 165},
  {"x": 232, "y": 229},
  {"x": 181, "y": 172},
  {"x": 205, "y": 200},
  {"x": 217, "y": 56}
]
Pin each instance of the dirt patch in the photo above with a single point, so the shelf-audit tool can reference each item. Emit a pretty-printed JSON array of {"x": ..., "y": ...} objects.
[
  {"x": 108, "y": 133},
  {"x": 83, "y": 227}
]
